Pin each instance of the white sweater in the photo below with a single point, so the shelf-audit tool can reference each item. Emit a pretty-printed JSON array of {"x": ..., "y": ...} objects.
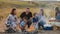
[{"x": 11, "y": 20}]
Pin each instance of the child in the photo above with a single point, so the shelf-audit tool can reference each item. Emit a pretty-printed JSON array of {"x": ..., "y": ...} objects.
[
  {"x": 42, "y": 19},
  {"x": 23, "y": 24},
  {"x": 35, "y": 20}
]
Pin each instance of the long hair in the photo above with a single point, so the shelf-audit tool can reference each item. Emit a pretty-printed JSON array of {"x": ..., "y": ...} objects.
[
  {"x": 42, "y": 11},
  {"x": 57, "y": 11},
  {"x": 34, "y": 14},
  {"x": 12, "y": 12}
]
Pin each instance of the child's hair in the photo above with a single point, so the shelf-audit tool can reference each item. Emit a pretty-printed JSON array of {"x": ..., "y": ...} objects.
[{"x": 34, "y": 14}]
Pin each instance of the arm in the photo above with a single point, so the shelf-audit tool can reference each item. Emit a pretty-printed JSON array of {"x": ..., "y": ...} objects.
[
  {"x": 30, "y": 16},
  {"x": 22, "y": 15},
  {"x": 42, "y": 18},
  {"x": 39, "y": 20}
]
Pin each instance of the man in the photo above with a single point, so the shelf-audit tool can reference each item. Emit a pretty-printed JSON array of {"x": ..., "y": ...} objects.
[{"x": 27, "y": 14}]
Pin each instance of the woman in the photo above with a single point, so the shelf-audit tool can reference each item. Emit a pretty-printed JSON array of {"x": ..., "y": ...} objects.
[
  {"x": 42, "y": 19},
  {"x": 11, "y": 21},
  {"x": 57, "y": 13}
]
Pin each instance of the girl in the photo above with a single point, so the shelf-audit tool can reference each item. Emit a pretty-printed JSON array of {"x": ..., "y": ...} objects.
[
  {"x": 11, "y": 21},
  {"x": 42, "y": 20}
]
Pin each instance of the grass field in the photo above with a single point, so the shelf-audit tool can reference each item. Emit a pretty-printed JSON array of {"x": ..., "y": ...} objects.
[{"x": 6, "y": 7}]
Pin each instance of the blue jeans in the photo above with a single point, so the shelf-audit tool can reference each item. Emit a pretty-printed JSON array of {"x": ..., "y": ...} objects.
[
  {"x": 58, "y": 17},
  {"x": 41, "y": 24}
]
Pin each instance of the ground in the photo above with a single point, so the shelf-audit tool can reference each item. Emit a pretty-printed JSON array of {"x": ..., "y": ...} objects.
[
  {"x": 6, "y": 7},
  {"x": 5, "y": 12}
]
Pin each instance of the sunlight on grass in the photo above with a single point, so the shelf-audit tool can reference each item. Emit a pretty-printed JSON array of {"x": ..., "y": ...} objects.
[{"x": 7, "y": 6}]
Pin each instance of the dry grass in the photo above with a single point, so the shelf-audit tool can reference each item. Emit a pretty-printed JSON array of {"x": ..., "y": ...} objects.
[{"x": 5, "y": 12}]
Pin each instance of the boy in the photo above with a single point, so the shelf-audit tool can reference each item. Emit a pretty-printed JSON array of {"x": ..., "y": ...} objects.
[
  {"x": 35, "y": 20},
  {"x": 23, "y": 24}
]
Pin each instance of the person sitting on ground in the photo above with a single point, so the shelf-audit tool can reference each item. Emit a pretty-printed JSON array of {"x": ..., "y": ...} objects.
[
  {"x": 35, "y": 20},
  {"x": 57, "y": 14},
  {"x": 23, "y": 24},
  {"x": 11, "y": 21},
  {"x": 42, "y": 19}
]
